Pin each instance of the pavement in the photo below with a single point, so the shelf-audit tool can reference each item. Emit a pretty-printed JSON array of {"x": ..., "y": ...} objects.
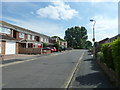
[
  {"x": 90, "y": 75},
  {"x": 21, "y": 57}
]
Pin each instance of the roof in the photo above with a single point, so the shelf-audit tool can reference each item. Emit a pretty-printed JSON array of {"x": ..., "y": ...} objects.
[
  {"x": 58, "y": 38},
  {"x": 115, "y": 37},
  {"x": 104, "y": 40},
  {"x": 3, "y": 23},
  {"x": 24, "y": 40},
  {"x": 6, "y": 37}
]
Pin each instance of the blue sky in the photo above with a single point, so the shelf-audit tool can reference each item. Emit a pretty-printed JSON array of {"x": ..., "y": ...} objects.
[{"x": 53, "y": 18}]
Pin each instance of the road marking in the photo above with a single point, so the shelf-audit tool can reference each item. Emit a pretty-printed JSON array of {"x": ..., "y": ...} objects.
[
  {"x": 67, "y": 84},
  {"x": 18, "y": 62}
]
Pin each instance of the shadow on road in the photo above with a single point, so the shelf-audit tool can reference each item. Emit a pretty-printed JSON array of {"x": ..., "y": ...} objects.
[{"x": 93, "y": 76}]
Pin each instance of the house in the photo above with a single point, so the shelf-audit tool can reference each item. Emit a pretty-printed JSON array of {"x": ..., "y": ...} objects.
[
  {"x": 106, "y": 40},
  {"x": 113, "y": 38},
  {"x": 15, "y": 39},
  {"x": 103, "y": 41},
  {"x": 61, "y": 42}
]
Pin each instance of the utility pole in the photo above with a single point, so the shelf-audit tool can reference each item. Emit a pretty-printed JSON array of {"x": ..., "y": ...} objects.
[{"x": 93, "y": 37}]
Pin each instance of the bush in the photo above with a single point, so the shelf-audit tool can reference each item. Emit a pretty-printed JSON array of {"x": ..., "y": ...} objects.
[
  {"x": 90, "y": 50},
  {"x": 57, "y": 46},
  {"x": 116, "y": 54},
  {"x": 100, "y": 56},
  {"x": 107, "y": 54},
  {"x": 44, "y": 44}
]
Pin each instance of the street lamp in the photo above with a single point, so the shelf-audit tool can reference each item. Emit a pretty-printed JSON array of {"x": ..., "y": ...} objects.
[{"x": 93, "y": 36}]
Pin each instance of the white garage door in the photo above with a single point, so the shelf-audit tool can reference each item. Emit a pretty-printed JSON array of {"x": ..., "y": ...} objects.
[
  {"x": 0, "y": 47},
  {"x": 10, "y": 48}
]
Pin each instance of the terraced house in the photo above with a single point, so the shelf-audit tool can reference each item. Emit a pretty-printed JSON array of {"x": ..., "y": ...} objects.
[{"x": 15, "y": 40}]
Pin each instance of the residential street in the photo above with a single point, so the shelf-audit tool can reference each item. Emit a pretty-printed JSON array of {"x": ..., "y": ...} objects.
[{"x": 55, "y": 71}]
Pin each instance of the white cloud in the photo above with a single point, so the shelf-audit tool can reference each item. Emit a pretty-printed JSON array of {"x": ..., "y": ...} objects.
[
  {"x": 104, "y": 23},
  {"x": 46, "y": 28},
  {"x": 104, "y": 27},
  {"x": 59, "y": 10}
]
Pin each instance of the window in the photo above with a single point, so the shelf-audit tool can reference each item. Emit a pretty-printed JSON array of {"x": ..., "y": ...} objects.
[
  {"x": 21, "y": 35},
  {"x": 47, "y": 40},
  {"x": 28, "y": 37},
  {"x": 4, "y": 30},
  {"x": 44, "y": 40},
  {"x": 33, "y": 37},
  {"x": 41, "y": 39}
]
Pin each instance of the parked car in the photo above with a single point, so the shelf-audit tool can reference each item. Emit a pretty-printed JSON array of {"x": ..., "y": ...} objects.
[
  {"x": 46, "y": 48},
  {"x": 53, "y": 49}
]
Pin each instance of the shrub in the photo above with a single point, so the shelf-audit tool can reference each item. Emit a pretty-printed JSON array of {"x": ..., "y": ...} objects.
[
  {"x": 57, "y": 46},
  {"x": 116, "y": 54},
  {"x": 44, "y": 44},
  {"x": 107, "y": 54},
  {"x": 91, "y": 50}
]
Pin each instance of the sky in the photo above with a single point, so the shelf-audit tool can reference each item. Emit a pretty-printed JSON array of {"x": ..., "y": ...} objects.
[{"x": 52, "y": 17}]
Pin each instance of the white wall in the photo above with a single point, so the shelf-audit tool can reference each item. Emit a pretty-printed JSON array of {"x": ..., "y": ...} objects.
[{"x": 0, "y": 46}]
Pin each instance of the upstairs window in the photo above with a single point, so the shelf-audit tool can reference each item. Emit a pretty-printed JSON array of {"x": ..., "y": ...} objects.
[
  {"x": 4, "y": 30},
  {"x": 47, "y": 40},
  {"x": 29, "y": 37},
  {"x": 33, "y": 37},
  {"x": 21, "y": 35},
  {"x": 41, "y": 39}
]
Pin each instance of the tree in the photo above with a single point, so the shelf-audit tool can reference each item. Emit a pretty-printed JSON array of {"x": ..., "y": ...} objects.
[
  {"x": 88, "y": 45},
  {"x": 44, "y": 44},
  {"x": 76, "y": 37}
]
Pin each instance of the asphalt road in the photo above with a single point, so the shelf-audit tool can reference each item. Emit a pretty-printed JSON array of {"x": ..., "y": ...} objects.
[
  {"x": 55, "y": 71},
  {"x": 44, "y": 72}
]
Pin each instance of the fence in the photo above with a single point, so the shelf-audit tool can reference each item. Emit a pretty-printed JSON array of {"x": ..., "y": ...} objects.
[
  {"x": 29, "y": 51},
  {"x": 33, "y": 51}
]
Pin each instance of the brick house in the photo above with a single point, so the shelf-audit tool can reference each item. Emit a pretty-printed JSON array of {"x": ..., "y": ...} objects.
[
  {"x": 14, "y": 38},
  {"x": 62, "y": 43}
]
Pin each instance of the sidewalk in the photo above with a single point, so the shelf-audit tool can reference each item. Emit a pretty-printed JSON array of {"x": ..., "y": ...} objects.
[
  {"x": 16, "y": 57},
  {"x": 20, "y": 57},
  {"x": 90, "y": 75}
]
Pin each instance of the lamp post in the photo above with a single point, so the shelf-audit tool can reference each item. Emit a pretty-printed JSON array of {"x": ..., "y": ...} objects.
[{"x": 93, "y": 37}]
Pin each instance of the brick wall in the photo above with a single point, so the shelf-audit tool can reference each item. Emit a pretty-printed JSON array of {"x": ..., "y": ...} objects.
[
  {"x": 3, "y": 43},
  {"x": 33, "y": 51},
  {"x": 113, "y": 77},
  {"x": 29, "y": 51},
  {"x": 17, "y": 35},
  {"x": 17, "y": 47}
]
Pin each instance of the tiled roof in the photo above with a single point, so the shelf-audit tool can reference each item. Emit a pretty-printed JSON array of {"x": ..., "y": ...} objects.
[{"x": 20, "y": 28}]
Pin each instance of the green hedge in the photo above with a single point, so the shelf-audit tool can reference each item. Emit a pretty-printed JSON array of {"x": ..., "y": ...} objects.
[
  {"x": 107, "y": 54},
  {"x": 111, "y": 55},
  {"x": 116, "y": 54}
]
